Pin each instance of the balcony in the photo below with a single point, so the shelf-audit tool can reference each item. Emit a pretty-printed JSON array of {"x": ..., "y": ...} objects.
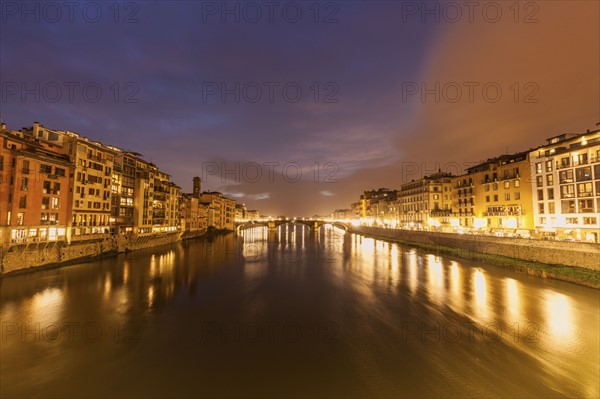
[
  {"x": 441, "y": 213},
  {"x": 503, "y": 213},
  {"x": 510, "y": 177},
  {"x": 97, "y": 159}
]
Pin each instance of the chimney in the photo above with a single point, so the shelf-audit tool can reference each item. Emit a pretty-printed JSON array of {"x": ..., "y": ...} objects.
[
  {"x": 36, "y": 129},
  {"x": 197, "y": 185}
]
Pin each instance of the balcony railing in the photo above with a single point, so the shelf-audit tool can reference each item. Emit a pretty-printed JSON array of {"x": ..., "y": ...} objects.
[{"x": 505, "y": 213}]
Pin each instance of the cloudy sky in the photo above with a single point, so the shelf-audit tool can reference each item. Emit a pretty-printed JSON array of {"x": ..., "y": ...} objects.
[{"x": 297, "y": 107}]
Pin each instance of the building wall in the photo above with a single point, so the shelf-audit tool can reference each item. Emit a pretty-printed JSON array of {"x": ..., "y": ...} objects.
[
  {"x": 566, "y": 187},
  {"x": 34, "y": 191}
]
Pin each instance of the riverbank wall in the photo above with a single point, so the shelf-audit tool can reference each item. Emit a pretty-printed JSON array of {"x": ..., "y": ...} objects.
[
  {"x": 577, "y": 254},
  {"x": 19, "y": 257}
]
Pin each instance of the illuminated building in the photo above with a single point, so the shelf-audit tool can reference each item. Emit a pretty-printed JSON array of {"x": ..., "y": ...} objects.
[
  {"x": 495, "y": 196},
  {"x": 92, "y": 164},
  {"x": 221, "y": 210},
  {"x": 122, "y": 189},
  {"x": 566, "y": 186},
  {"x": 378, "y": 207},
  {"x": 240, "y": 212},
  {"x": 194, "y": 215},
  {"x": 35, "y": 204},
  {"x": 252, "y": 214},
  {"x": 426, "y": 202},
  {"x": 165, "y": 204}
]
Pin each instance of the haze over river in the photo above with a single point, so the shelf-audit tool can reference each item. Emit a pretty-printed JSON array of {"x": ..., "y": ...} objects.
[{"x": 295, "y": 313}]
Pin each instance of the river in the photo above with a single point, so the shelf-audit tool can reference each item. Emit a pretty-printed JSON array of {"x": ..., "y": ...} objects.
[{"x": 296, "y": 313}]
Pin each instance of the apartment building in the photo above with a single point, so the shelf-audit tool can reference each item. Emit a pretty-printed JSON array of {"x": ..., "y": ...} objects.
[
  {"x": 35, "y": 202},
  {"x": 426, "y": 202},
  {"x": 220, "y": 209},
  {"x": 566, "y": 185},
  {"x": 495, "y": 196}
]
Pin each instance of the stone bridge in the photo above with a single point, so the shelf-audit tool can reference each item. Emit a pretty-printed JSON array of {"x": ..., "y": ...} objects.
[{"x": 275, "y": 223}]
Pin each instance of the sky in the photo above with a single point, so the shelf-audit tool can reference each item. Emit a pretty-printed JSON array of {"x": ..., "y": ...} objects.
[{"x": 294, "y": 108}]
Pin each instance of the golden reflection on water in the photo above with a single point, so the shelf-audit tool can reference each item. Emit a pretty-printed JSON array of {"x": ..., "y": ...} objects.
[
  {"x": 513, "y": 300},
  {"x": 107, "y": 286},
  {"x": 125, "y": 272},
  {"x": 559, "y": 318},
  {"x": 394, "y": 264},
  {"x": 456, "y": 284},
  {"x": 480, "y": 291},
  {"x": 46, "y": 306},
  {"x": 435, "y": 277},
  {"x": 412, "y": 271}
]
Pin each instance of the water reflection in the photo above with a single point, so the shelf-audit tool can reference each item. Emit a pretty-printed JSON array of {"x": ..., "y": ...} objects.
[
  {"x": 480, "y": 291},
  {"x": 456, "y": 289},
  {"x": 46, "y": 306},
  {"x": 559, "y": 318},
  {"x": 368, "y": 288},
  {"x": 513, "y": 301}
]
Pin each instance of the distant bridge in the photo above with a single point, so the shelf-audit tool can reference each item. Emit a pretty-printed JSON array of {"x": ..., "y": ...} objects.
[{"x": 275, "y": 223}]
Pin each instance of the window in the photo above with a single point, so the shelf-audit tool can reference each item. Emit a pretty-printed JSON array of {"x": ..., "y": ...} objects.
[
  {"x": 54, "y": 203},
  {"x": 487, "y": 187},
  {"x": 567, "y": 191},
  {"x": 550, "y": 193},
  {"x": 507, "y": 197},
  {"x": 549, "y": 166},
  {"x": 585, "y": 190},
  {"x": 506, "y": 184},
  {"x": 20, "y": 218},
  {"x": 25, "y": 167},
  {"x": 495, "y": 186},
  {"x": 45, "y": 202},
  {"x": 590, "y": 220},
  {"x": 551, "y": 208},
  {"x": 23, "y": 202},
  {"x": 565, "y": 162},
  {"x": 539, "y": 181},
  {"x": 567, "y": 206},
  {"x": 541, "y": 208},
  {"x": 540, "y": 195},
  {"x": 550, "y": 180},
  {"x": 24, "y": 183},
  {"x": 538, "y": 168},
  {"x": 542, "y": 220},
  {"x": 46, "y": 187},
  {"x": 45, "y": 169},
  {"x": 586, "y": 206},
  {"x": 596, "y": 170},
  {"x": 517, "y": 195},
  {"x": 517, "y": 183},
  {"x": 495, "y": 197},
  {"x": 572, "y": 220},
  {"x": 566, "y": 176},
  {"x": 582, "y": 159},
  {"x": 583, "y": 174},
  {"x": 57, "y": 188},
  {"x": 59, "y": 172}
]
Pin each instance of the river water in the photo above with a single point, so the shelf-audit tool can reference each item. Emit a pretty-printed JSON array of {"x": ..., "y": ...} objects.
[{"x": 295, "y": 313}]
